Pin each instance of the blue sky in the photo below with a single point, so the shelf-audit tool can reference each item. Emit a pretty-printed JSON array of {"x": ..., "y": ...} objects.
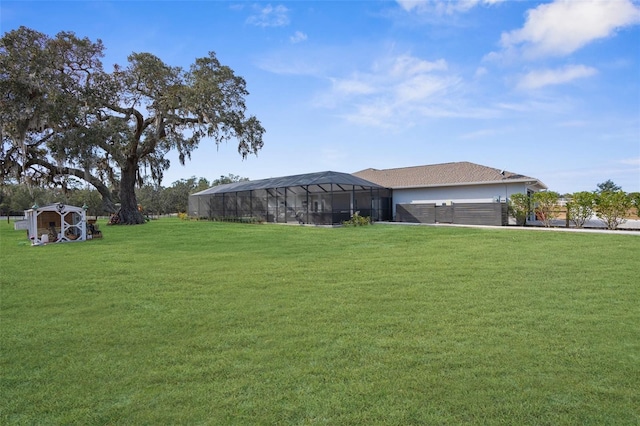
[{"x": 546, "y": 89}]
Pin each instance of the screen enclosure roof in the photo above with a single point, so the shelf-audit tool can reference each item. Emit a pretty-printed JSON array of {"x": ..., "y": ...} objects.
[{"x": 319, "y": 178}]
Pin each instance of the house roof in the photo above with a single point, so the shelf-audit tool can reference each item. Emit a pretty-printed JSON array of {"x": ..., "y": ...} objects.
[
  {"x": 446, "y": 174},
  {"x": 319, "y": 178}
]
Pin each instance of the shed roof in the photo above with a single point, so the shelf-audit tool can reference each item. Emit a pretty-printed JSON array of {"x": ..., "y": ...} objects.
[
  {"x": 57, "y": 207},
  {"x": 319, "y": 178},
  {"x": 446, "y": 174}
]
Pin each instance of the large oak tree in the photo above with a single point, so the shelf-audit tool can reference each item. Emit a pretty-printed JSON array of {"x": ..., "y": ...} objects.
[{"x": 63, "y": 115}]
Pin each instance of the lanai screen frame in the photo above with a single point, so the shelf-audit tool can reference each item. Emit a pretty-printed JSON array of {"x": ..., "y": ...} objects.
[{"x": 324, "y": 198}]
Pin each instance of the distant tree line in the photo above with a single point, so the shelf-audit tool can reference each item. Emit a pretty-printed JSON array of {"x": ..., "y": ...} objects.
[
  {"x": 152, "y": 199},
  {"x": 609, "y": 203}
]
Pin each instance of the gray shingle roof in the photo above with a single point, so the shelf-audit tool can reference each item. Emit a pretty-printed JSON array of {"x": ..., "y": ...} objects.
[{"x": 446, "y": 174}]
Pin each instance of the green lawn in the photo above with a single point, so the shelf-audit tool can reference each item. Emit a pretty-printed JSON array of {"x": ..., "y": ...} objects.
[{"x": 178, "y": 322}]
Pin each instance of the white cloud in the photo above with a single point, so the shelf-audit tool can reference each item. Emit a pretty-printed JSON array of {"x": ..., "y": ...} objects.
[
  {"x": 541, "y": 78},
  {"x": 376, "y": 114},
  {"x": 269, "y": 16},
  {"x": 409, "y": 5},
  {"x": 564, "y": 26},
  {"x": 422, "y": 87},
  {"x": 550, "y": 105},
  {"x": 352, "y": 86},
  {"x": 399, "y": 79},
  {"x": 443, "y": 7},
  {"x": 396, "y": 92},
  {"x": 631, "y": 161},
  {"x": 480, "y": 72},
  {"x": 298, "y": 37},
  {"x": 406, "y": 65}
]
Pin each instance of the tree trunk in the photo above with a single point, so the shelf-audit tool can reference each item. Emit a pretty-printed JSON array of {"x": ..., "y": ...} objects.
[{"x": 129, "y": 213}]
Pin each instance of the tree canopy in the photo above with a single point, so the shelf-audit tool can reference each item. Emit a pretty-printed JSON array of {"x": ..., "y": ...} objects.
[
  {"x": 63, "y": 115},
  {"x": 608, "y": 186}
]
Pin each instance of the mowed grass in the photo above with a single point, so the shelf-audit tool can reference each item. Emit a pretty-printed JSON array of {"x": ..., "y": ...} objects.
[{"x": 179, "y": 322}]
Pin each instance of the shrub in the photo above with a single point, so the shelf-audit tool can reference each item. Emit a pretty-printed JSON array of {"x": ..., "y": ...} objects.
[
  {"x": 612, "y": 207},
  {"x": 546, "y": 203},
  {"x": 519, "y": 208},
  {"x": 580, "y": 207},
  {"x": 635, "y": 201},
  {"x": 357, "y": 220}
]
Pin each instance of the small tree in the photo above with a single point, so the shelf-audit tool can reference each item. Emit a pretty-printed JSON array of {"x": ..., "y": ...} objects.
[
  {"x": 612, "y": 207},
  {"x": 635, "y": 201},
  {"x": 580, "y": 207},
  {"x": 545, "y": 206},
  {"x": 519, "y": 208},
  {"x": 231, "y": 178},
  {"x": 608, "y": 186}
]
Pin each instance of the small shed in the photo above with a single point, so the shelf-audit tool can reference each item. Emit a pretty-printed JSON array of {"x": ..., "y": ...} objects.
[{"x": 56, "y": 223}]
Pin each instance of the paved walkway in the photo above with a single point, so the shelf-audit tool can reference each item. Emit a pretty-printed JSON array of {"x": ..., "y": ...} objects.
[{"x": 631, "y": 227}]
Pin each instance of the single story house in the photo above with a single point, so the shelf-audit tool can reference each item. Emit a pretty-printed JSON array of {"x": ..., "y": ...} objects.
[{"x": 460, "y": 192}]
